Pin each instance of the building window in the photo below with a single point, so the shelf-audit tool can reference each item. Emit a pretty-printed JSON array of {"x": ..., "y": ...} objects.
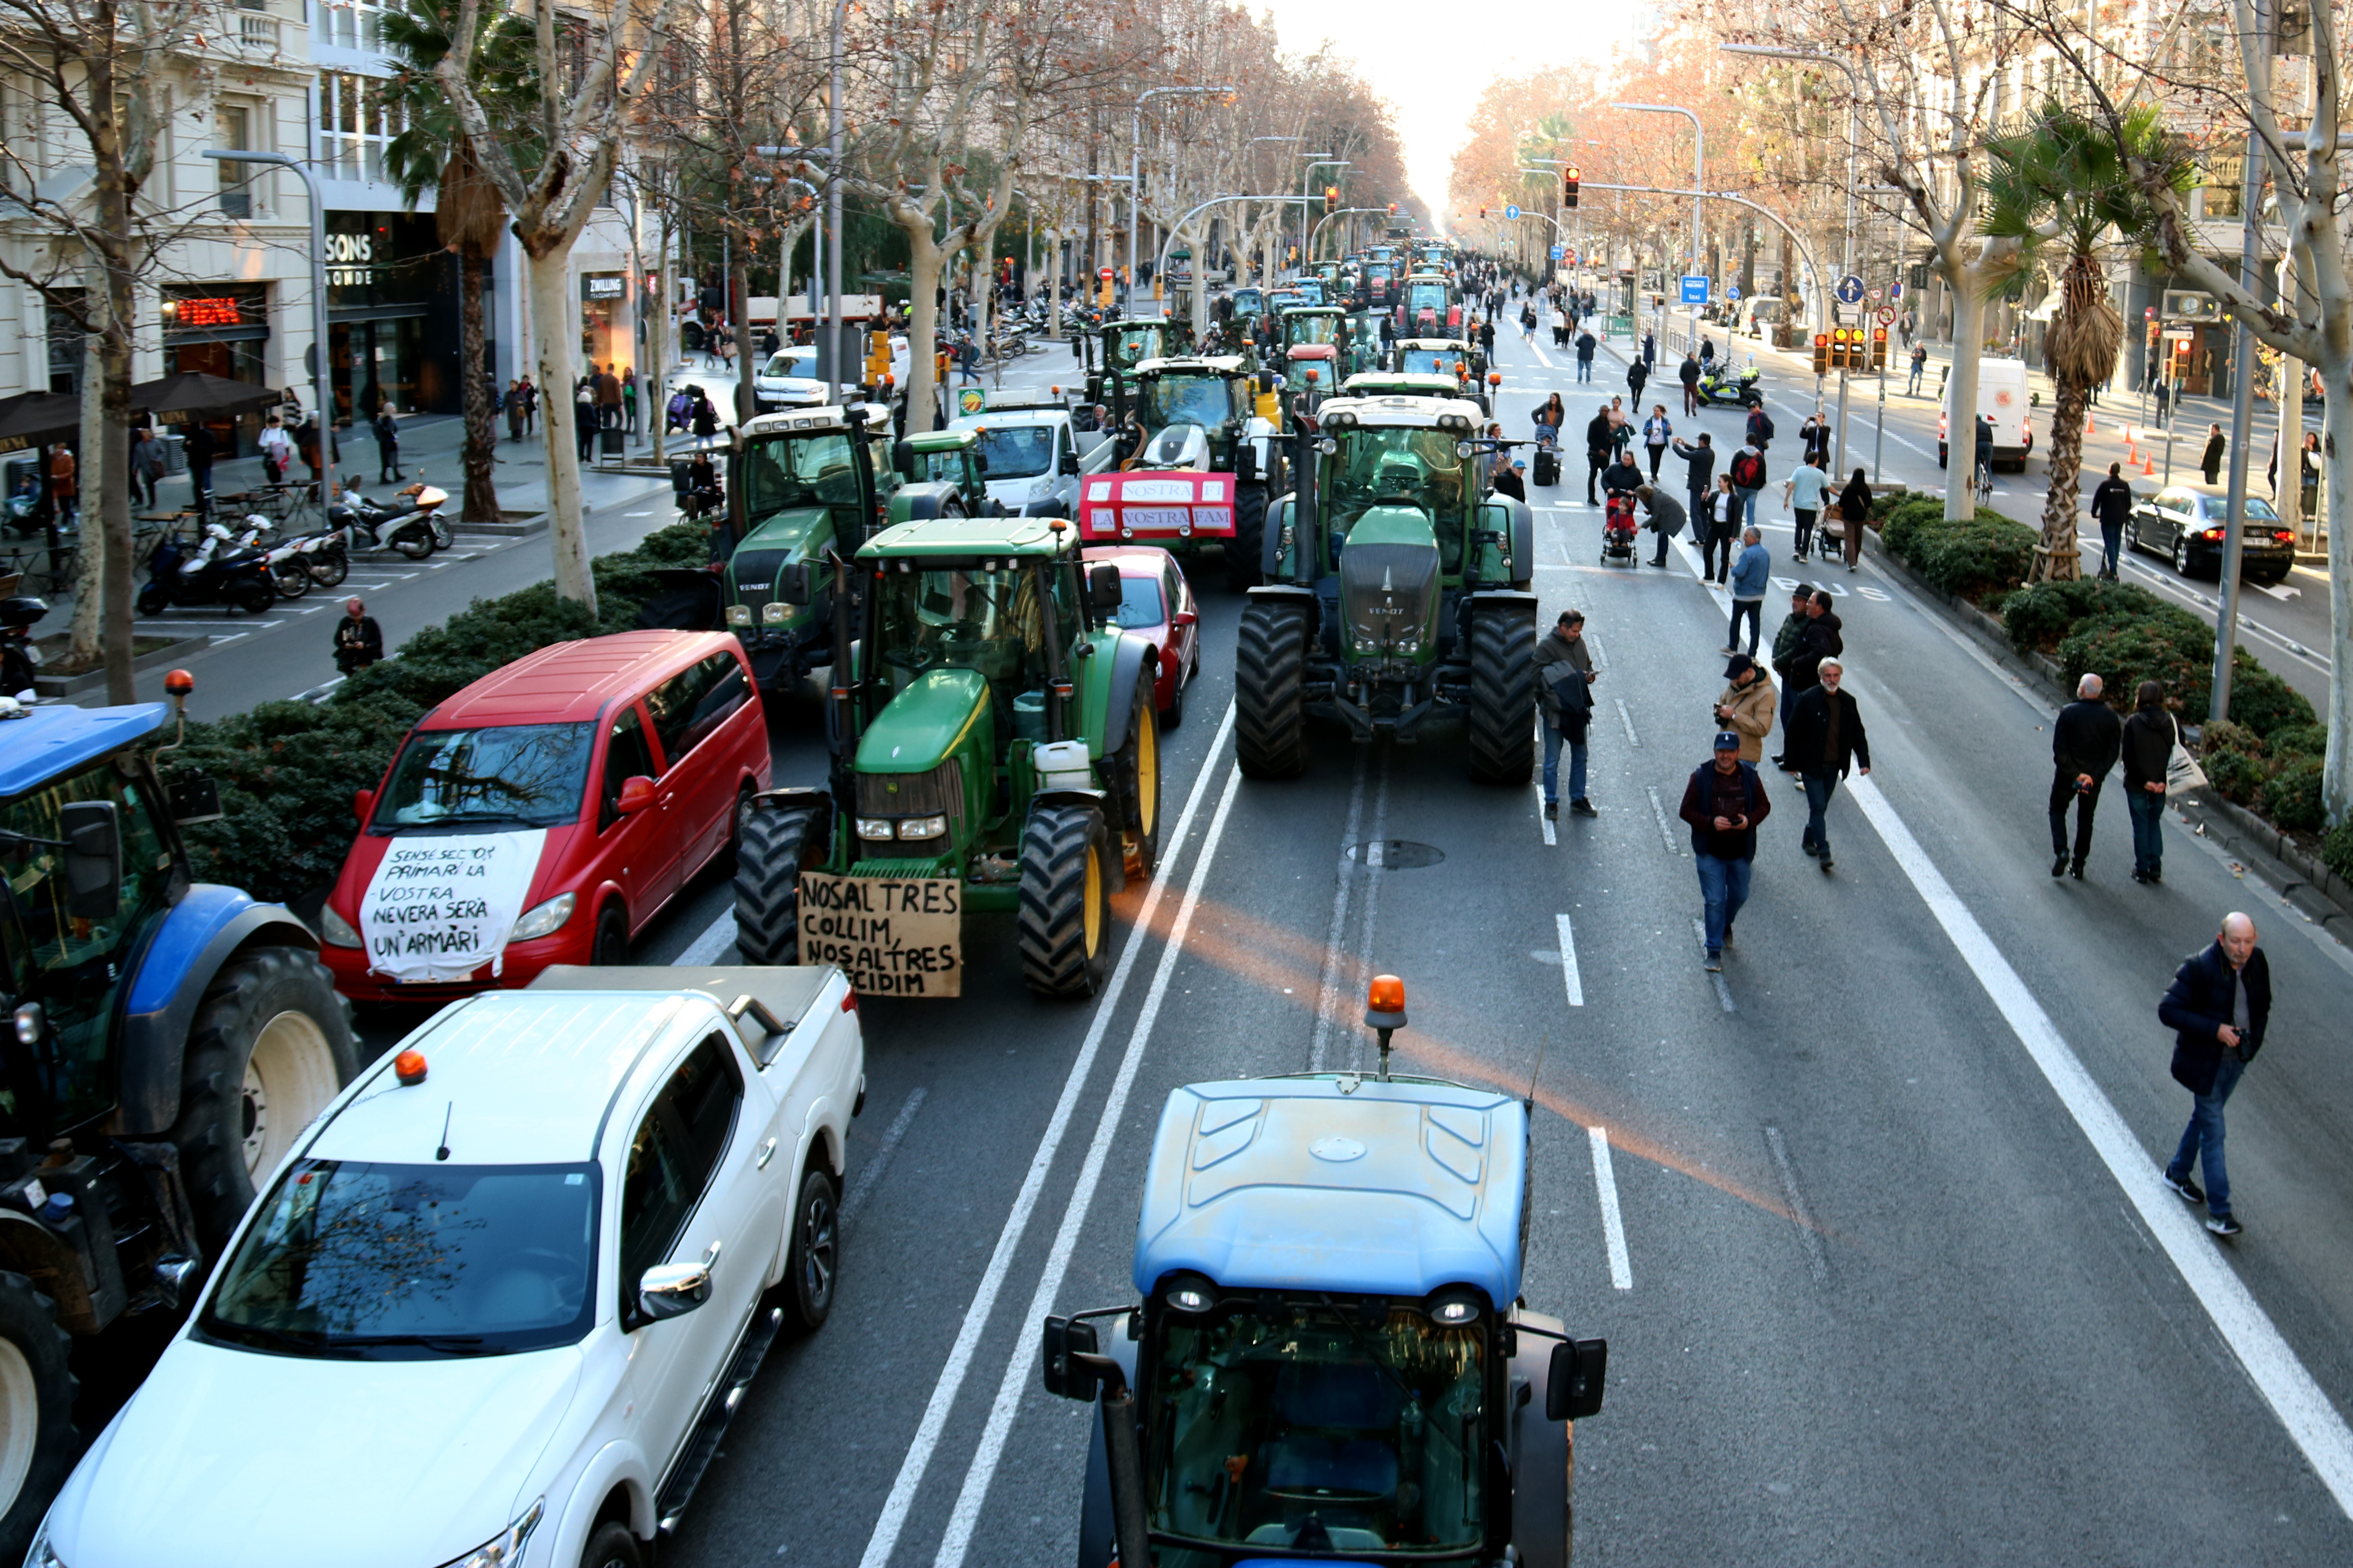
[
  {"x": 2225, "y": 178},
  {"x": 349, "y": 26},
  {"x": 233, "y": 129},
  {"x": 355, "y": 120}
]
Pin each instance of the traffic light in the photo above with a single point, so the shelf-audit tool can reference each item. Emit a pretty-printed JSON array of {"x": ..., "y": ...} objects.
[
  {"x": 1821, "y": 352},
  {"x": 1568, "y": 186},
  {"x": 1331, "y": 198},
  {"x": 1482, "y": 215},
  {"x": 1879, "y": 348},
  {"x": 1393, "y": 209}
]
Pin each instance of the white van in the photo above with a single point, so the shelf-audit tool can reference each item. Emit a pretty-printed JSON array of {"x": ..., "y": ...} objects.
[{"x": 2003, "y": 397}]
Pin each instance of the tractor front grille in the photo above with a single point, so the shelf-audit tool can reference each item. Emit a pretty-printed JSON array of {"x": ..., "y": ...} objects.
[
  {"x": 1387, "y": 590},
  {"x": 938, "y": 792}
]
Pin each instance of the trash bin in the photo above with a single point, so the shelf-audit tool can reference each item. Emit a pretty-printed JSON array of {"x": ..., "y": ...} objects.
[{"x": 611, "y": 438}]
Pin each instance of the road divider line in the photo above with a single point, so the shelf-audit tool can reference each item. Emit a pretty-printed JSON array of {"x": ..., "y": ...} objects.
[
  {"x": 1021, "y": 1366},
  {"x": 1722, "y": 986},
  {"x": 869, "y": 1176},
  {"x": 898, "y": 1505},
  {"x": 1327, "y": 983},
  {"x": 1818, "y": 1260},
  {"x": 1569, "y": 974},
  {"x": 1613, "y": 1225},
  {"x": 1628, "y": 719},
  {"x": 717, "y": 941},
  {"x": 1368, "y": 919},
  {"x": 1544, "y": 821},
  {"x": 2312, "y": 1423},
  {"x": 1658, "y": 810}
]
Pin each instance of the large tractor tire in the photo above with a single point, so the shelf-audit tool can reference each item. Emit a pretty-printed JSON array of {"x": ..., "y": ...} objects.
[
  {"x": 1245, "y": 551},
  {"x": 1065, "y": 916},
  {"x": 774, "y": 846},
  {"x": 1269, "y": 711},
  {"x": 270, "y": 1048},
  {"x": 1136, "y": 767},
  {"x": 37, "y": 1401},
  {"x": 1503, "y": 744}
]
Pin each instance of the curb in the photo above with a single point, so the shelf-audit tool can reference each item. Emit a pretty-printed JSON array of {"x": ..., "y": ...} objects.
[
  {"x": 2327, "y": 897},
  {"x": 65, "y": 687}
]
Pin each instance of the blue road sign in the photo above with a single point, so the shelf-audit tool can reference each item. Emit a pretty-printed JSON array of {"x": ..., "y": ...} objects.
[
  {"x": 1850, "y": 290},
  {"x": 1731, "y": 291},
  {"x": 1896, "y": 291},
  {"x": 1511, "y": 212},
  {"x": 1556, "y": 253},
  {"x": 1694, "y": 290}
]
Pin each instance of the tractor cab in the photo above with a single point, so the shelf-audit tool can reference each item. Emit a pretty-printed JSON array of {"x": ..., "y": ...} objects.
[
  {"x": 1317, "y": 338},
  {"x": 1329, "y": 1357},
  {"x": 1429, "y": 305},
  {"x": 952, "y": 460},
  {"x": 1126, "y": 344},
  {"x": 1214, "y": 395}
]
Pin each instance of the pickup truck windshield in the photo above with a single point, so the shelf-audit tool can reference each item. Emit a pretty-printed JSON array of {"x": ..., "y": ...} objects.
[
  {"x": 528, "y": 773},
  {"x": 374, "y": 1262},
  {"x": 1305, "y": 1430},
  {"x": 1018, "y": 452}
]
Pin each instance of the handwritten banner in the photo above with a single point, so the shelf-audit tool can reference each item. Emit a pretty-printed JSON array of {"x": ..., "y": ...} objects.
[
  {"x": 893, "y": 937},
  {"x": 440, "y": 907}
]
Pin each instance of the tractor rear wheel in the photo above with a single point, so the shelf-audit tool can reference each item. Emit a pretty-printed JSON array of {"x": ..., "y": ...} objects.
[
  {"x": 774, "y": 846},
  {"x": 1137, "y": 769},
  {"x": 1065, "y": 916},
  {"x": 1245, "y": 551},
  {"x": 1270, "y": 669},
  {"x": 37, "y": 1401},
  {"x": 270, "y": 1047},
  {"x": 1503, "y": 744}
]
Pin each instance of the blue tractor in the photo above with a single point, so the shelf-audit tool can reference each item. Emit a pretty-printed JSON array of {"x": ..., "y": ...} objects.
[
  {"x": 166, "y": 1043},
  {"x": 1330, "y": 1360}
]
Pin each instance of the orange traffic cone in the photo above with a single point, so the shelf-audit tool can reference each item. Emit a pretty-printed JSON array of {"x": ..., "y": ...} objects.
[
  {"x": 2148, "y": 464},
  {"x": 2091, "y": 425}
]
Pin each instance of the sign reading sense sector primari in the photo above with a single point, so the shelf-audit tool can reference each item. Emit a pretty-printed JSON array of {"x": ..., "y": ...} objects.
[{"x": 891, "y": 936}]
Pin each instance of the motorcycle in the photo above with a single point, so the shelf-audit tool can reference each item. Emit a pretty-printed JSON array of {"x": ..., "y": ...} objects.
[
  {"x": 215, "y": 572},
  {"x": 412, "y": 524},
  {"x": 1715, "y": 387},
  {"x": 19, "y": 659}
]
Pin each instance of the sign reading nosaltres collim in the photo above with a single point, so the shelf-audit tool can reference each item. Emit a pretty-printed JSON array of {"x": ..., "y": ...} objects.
[{"x": 891, "y": 936}]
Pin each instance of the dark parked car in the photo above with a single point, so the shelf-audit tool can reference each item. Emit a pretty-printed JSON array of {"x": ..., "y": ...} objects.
[{"x": 2185, "y": 522}]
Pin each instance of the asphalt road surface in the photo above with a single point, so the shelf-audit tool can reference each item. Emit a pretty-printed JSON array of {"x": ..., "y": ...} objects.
[{"x": 1871, "y": 1220}]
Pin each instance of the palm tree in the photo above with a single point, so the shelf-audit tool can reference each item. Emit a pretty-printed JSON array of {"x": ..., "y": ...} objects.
[
  {"x": 2058, "y": 188},
  {"x": 432, "y": 152}
]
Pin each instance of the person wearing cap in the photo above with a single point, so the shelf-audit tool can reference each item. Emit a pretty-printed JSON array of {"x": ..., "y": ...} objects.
[
  {"x": 1512, "y": 482},
  {"x": 1825, "y": 739},
  {"x": 1746, "y": 705},
  {"x": 1564, "y": 676},
  {"x": 1723, "y": 802},
  {"x": 359, "y": 641}
]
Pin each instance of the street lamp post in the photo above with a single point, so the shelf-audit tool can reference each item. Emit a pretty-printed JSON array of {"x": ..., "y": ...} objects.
[
  {"x": 1699, "y": 182},
  {"x": 1136, "y": 167},
  {"x": 319, "y": 389}
]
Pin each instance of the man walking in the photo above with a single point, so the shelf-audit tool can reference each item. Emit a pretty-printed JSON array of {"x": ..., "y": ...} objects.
[
  {"x": 1784, "y": 648},
  {"x": 1919, "y": 365},
  {"x": 1584, "y": 347},
  {"x": 2085, "y": 742},
  {"x": 2216, "y": 1006},
  {"x": 1667, "y": 518},
  {"x": 1689, "y": 376},
  {"x": 1564, "y": 676},
  {"x": 1750, "y": 576},
  {"x": 1723, "y": 802},
  {"x": 1822, "y": 637},
  {"x": 1746, "y": 707},
  {"x": 2110, "y": 505},
  {"x": 1600, "y": 444},
  {"x": 1825, "y": 739},
  {"x": 1638, "y": 374},
  {"x": 1747, "y": 471},
  {"x": 2150, "y": 736}
]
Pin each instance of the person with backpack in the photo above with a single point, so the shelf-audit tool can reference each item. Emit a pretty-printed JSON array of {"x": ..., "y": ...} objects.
[
  {"x": 1760, "y": 427},
  {"x": 1746, "y": 472},
  {"x": 1564, "y": 676}
]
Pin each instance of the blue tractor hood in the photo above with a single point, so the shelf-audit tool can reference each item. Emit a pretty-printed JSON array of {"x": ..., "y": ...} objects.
[
  {"x": 1331, "y": 1183},
  {"x": 48, "y": 743}
]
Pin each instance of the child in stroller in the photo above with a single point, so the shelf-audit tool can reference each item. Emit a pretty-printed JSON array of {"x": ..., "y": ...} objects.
[{"x": 1617, "y": 529}]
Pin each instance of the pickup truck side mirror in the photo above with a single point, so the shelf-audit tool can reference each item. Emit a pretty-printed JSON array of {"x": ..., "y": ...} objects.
[
  {"x": 636, "y": 794},
  {"x": 1070, "y": 464},
  {"x": 672, "y": 1289},
  {"x": 1579, "y": 1368},
  {"x": 93, "y": 858}
]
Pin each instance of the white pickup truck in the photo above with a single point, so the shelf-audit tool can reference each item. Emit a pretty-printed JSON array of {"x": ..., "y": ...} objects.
[{"x": 1035, "y": 451}]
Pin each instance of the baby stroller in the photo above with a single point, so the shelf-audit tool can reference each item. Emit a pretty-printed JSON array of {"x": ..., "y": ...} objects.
[{"x": 1618, "y": 532}]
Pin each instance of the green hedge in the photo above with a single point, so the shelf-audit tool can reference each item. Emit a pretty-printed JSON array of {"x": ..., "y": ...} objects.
[
  {"x": 287, "y": 770},
  {"x": 1968, "y": 559}
]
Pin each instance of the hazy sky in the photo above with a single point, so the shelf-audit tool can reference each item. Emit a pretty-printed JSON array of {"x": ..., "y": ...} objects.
[{"x": 1415, "y": 56}]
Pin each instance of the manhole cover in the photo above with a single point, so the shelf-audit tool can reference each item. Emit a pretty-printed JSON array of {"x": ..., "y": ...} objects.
[{"x": 1395, "y": 854}]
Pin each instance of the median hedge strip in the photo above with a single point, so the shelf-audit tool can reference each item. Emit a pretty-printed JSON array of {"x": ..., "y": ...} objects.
[
  {"x": 287, "y": 770},
  {"x": 2267, "y": 757}
]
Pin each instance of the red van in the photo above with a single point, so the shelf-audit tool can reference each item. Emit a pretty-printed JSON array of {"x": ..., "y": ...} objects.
[{"x": 545, "y": 813}]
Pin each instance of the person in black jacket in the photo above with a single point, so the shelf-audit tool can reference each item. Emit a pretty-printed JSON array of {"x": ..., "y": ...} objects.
[
  {"x": 2112, "y": 504},
  {"x": 1688, "y": 374},
  {"x": 2149, "y": 740},
  {"x": 1824, "y": 638},
  {"x": 1825, "y": 740},
  {"x": 1600, "y": 445},
  {"x": 1701, "y": 462},
  {"x": 359, "y": 641},
  {"x": 2084, "y": 746},
  {"x": 1512, "y": 482},
  {"x": 1724, "y": 801},
  {"x": 2217, "y": 1007}
]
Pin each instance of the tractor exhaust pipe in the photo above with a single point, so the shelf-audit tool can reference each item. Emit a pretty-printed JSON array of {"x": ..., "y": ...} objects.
[
  {"x": 1124, "y": 1449},
  {"x": 1305, "y": 527}
]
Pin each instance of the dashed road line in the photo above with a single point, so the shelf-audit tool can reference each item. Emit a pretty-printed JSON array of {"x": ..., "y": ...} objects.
[
  {"x": 1627, "y": 719},
  {"x": 1569, "y": 977},
  {"x": 1613, "y": 1225},
  {"x": 1328, "y": 1001},
  {"x": 1658, "y": 810},
  {"x": 1818, "y": 1261},
  {"x": 1722, "y": 986},
  {"x": 869, "y": 1176}
]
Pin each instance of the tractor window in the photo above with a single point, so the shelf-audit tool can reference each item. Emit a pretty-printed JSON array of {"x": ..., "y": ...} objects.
[
  {"x": 1430, "y": 361},
  {"x": 1316, "y": 1431},
  {"x": 1314, "y": 329},
  {"x": 1200, "y": 400},
  {"x": 784, "y": 472},
  {"x": 1018, "y": 452},
  {"x": 986, "y": 622},
  {"x": 942, "y": 468},
  {"x": 71, "y": 966},
  {"x": 1394, "y": 468}
]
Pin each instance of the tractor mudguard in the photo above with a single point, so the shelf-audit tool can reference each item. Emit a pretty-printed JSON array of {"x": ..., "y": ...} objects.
[
  {"x": 1108, "y": 694},
  {"x": 1293, "y": 592},
  {"x": 188, "y": 948},
  {"x": 792, "y": 795},
  {"x": 1096, "y": 1545},
  {"x": 915, "y": 503},
  {"x": 1542, "y": 1455}
]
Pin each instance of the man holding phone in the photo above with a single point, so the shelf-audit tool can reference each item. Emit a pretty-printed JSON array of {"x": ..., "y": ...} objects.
[{"x": 1723, "y": 802}]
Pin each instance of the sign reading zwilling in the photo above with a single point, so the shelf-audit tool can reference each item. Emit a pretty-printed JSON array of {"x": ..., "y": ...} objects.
[{"x": 602, "y": 284}]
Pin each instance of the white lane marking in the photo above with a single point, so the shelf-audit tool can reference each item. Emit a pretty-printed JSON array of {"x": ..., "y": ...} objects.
[
  {"x": 2304, "y": 1410},
  {"x": 1020, "y": 1368},
  {"x": 1613, "y": 1227},
  {"x": 926, "y": 1441},
  {"x": 320, "y": 693},
  {"x": 1327, "y": 983},
  {"x": 869, "y": 1176},
  {"x": 1628, "y": 719},
  {"x": 1569, "y": 974},
  {"x": 717, "y": 941},
  {"x": 1722, "y": 986},
  {"x": 1536, "y": 785},
  {"x": 1368, "y": 922},
  {"x": 1660, "y": 811},
  {"x": 637, "y": 514},
  {"x": 1818, "y": 1261},
  {"x": 1601, "y": 659}
]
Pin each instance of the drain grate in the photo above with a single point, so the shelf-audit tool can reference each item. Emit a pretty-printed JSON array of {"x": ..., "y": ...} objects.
[{"x": 1395, "y": 854}]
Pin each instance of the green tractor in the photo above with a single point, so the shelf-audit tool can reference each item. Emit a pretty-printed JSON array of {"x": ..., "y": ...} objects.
[
  {"x": 995, "y": 748},
  {"x": 1317, "y": 338},
  {"x": 1396, "y": 592},
  {"x": 804, "y": 486},
  {"x": 1203, "y": 416}
]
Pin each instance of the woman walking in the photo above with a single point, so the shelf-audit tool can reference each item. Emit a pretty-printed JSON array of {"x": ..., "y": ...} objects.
[
  {"x": 1548, "y": 421},
  {"x": 1656, "y": 434},
  {"x": 148, "y": 462},
  {"x": 1854, "y": 511},
  {"x": 629, "y": 400}
]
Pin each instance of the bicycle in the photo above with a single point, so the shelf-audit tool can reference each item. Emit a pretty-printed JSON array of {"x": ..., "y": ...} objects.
[{"x": 1984, "y": 485}]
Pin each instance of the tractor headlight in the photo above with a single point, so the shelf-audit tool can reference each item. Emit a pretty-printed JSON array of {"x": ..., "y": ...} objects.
[
  {"x": 739, "y": 615},
  {"x": 774, "y": 612},
  {"x": 505, "y": 1549},
  {"x": 924, "y": 827},
  {"x": 1189, "y": 1294},
  {"x": 1455, "y": 1307},
  {"x": 1368, "y": 644},
  {"x": 545, "y": 920},
  {"x": 335, "y": 930},
  {"x": 876, "y": 827}
]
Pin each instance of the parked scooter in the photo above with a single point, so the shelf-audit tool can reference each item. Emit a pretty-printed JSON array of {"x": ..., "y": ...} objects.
[
  {"x": 209, "y": 571},
  {"x": 1716, "y": 386},
  {"x": 411, "y": 523},
  {"x": 19, "y": 659}
]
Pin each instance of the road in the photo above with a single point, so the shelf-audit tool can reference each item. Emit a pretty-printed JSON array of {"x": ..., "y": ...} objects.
[{"x": 1872, "y": 1220}]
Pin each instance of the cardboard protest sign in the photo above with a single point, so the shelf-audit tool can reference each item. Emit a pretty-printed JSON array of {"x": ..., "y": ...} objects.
[
  {"x": 440, "y": 906},
  {"x": 893, "y": 936}
]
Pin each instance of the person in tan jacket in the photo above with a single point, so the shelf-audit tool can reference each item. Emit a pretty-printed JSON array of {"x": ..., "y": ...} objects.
[{"x": 1747, "y": 706}]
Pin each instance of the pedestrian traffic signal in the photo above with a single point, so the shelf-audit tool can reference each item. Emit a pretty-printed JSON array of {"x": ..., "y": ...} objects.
[
  {"x": 1482, "y": 215},
  {"x": 1879, "y": 348},
  {"x": 1331, "y": 198},
  {"x": 1821, "y": 352},
  {"x": 1568, "y": 186}
]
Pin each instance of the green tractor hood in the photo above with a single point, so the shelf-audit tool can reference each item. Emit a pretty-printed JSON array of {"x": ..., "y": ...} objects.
[
  {"x": 754, "y": 573},
  {"x": 1389, "y": 585},
  {"x": 921, "y": 726}
]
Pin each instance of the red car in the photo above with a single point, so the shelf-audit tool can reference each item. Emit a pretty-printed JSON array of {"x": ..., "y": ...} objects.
[
  {"x": 545, "y": 813},
  {"x": 1157, "y": 602}
]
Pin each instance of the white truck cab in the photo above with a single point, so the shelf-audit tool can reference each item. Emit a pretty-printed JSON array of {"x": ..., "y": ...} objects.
[
  {"x": 1037, "y": 455},
  {"x": 2004, "y": 398}
]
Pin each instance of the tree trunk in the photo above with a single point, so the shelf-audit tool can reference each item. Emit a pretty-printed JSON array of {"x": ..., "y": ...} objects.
[
  {"x": 1961, "y": 398},
  {"x": 739, "y": 313},
  {"x": 2337, "y": 473},
  {"x": 2059, "y": 558},
  {"x": 556, "y": 323},
  {"x": 653, "y": 383},
  {"x": 82, "y": 637},
  {"x": 481, "y": 421},
  {"x": 925, "y": 259},
  {"x": 980, "y": 297}
]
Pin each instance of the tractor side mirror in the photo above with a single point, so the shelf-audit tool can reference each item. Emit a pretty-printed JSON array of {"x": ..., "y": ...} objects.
[
  {"x": 363, "y": 803},
  {"x": 1065, "y": 1378},
  {"x": 93, "y": 858},
  {"x": 1104, "y": 595},
  {"x": 980, "y": 460},
  {"x": 792, "y": 585},
  {"x": 1579, "y": 1368},
  {"x": 1095, "y": 388},
  {"x": 903, "y": 457},
  {"x": 637, "y": 794}
]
